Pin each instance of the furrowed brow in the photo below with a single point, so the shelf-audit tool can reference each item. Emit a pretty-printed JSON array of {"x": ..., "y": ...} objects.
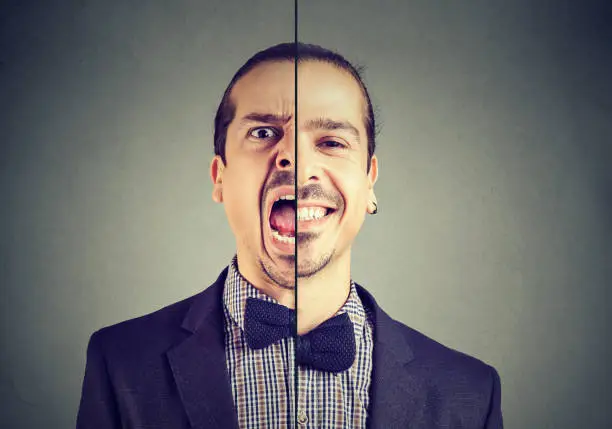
[
  {"x": 328, "y": 124},
  {"x": 268, "y": 118}
]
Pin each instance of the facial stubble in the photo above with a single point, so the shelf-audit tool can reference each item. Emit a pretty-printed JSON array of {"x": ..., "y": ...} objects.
[{"x": 306, "y": 269}]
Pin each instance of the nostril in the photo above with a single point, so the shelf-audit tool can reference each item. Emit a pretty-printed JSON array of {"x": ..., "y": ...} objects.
[{"x": 285, "y": 163}]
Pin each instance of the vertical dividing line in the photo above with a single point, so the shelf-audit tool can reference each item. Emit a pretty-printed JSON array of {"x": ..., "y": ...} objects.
[{"x": 295, "y": 136}]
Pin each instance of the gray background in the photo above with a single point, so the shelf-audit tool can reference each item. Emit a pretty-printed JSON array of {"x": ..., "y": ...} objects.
[{"x": 495, "y": 187}]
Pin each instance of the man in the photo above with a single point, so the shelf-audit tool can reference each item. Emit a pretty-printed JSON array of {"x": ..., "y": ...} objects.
[{"x": 232, "y": 356}]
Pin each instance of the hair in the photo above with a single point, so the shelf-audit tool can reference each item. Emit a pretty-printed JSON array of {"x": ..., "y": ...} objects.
[{"x": 288, "y": 52}]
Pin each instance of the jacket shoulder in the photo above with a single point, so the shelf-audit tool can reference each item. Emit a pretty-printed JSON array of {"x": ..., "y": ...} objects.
[
  {"x": 446, "y": 366},
  {"x": 453, "y": 384},
  {"x": 155, "y": 331},
  {"x": 434, "y": 358},
  {"x": 144, "y": 340}
]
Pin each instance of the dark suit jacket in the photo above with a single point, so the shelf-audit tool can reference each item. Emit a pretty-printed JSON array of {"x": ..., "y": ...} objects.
[{"x": 167, "y": 370}]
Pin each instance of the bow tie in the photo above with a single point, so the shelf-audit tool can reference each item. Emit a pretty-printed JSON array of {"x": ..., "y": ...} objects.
[{"x": 329, "y": 347}]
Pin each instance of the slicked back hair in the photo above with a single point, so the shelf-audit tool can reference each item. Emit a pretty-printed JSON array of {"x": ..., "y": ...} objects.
[{"x": 288, "y": 52}]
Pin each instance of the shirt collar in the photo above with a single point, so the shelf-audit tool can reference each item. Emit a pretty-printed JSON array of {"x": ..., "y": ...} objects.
[{"x": 237, "y": 289}]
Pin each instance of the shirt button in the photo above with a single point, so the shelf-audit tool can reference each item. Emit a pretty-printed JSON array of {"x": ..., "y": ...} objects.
[{"x": 302, "y": 418}]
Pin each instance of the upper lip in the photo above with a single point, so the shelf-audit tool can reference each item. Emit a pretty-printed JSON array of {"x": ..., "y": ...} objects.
[{"x": 315, "y": 203}]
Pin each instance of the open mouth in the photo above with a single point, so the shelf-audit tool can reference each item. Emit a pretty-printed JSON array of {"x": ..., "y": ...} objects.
[{"x": 283, "y": 217}]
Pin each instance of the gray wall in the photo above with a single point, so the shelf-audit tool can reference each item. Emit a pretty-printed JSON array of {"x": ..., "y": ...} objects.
[{"x": 495, "y": 186}]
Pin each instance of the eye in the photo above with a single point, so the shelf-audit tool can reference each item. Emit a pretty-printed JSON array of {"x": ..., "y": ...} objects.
[
  {"x": 263, "y": 133},
  {"x": 332, "y": 144}
]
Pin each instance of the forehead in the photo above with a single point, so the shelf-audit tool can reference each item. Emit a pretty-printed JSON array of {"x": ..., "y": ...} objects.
[{"x": 322, "y": 90}]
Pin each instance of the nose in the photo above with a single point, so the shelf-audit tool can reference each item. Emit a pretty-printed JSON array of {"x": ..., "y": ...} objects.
[
  {"x": 285, "y": 158},
  {"x": 309, "y": 168}
]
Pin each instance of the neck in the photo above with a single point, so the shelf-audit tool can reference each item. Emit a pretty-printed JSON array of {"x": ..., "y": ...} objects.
[
  {"x": 322, "y": 295},
  {"x": 252, "y": 272},
  {"x": 319, "y": 296}
]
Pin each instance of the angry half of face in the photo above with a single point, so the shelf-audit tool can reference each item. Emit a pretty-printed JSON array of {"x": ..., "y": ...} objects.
[{"x": 257, "y": 183}]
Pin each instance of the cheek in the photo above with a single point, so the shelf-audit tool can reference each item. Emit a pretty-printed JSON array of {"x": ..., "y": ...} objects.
[
  {"x": 353, "y": 184},
  {"x": 241, "y": 191}
]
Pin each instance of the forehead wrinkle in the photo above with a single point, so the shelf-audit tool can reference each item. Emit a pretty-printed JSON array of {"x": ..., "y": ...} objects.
[
  {"x": 268, "y": 118},
  {"x": 262, "y": 100}
]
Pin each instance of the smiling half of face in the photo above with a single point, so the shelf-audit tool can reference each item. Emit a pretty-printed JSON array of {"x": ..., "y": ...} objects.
[
  {"x": 257, "y": 184},
  {"x": 334, "y": 184}
]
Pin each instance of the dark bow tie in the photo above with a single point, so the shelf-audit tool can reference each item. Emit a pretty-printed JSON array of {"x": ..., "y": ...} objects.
[{"x": 329, "y": 347}]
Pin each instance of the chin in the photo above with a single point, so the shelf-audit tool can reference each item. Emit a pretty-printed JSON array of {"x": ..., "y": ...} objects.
[
  {"x": 283, "y": 273},
  {"x": 310, "y": 265},
  {"x": 285, "y": 282}
]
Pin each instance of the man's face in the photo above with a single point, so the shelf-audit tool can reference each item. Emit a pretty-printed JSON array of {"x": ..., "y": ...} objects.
[{"x": 257, "y": 183}]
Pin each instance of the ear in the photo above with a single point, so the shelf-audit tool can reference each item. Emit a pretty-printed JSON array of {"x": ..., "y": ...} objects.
[
  {"x": 216, "y": 176},
  {"x": 372, "y": 178},
  {"x": 373, "y": 173}
]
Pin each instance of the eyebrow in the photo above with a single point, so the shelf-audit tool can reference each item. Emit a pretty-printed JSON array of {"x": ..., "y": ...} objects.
[
  {"x": 332, "y": 125},
  {"x": 268, "y": 118}
]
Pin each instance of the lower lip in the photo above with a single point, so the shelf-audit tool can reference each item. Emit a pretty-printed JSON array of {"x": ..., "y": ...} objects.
[{"x": 280, "y": 246}]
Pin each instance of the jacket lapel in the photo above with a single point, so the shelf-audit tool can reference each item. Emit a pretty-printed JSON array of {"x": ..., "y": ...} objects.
[
  {"x": 394, "y": 392},
  {"x": 198, "y": 363}
]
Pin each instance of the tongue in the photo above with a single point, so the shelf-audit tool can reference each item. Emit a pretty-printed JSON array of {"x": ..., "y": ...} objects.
[{"x": 282, "y": 219}]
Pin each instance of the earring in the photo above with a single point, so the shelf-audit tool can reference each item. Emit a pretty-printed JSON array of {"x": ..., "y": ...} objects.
[{"x": 375, "y": 208}]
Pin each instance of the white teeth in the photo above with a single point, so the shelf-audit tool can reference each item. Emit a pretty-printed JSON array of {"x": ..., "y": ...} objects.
[
  {"x": 282, "y": 238},
  {"x": 287, "y": 197},
  {"x": 311, "y": 213}
]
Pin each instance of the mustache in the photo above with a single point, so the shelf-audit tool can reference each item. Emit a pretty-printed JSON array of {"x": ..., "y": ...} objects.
[
  {"x": 312, "y": 191},
  {"x": 281, "y": 178},
  {"x": 316, "y": 191}
]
